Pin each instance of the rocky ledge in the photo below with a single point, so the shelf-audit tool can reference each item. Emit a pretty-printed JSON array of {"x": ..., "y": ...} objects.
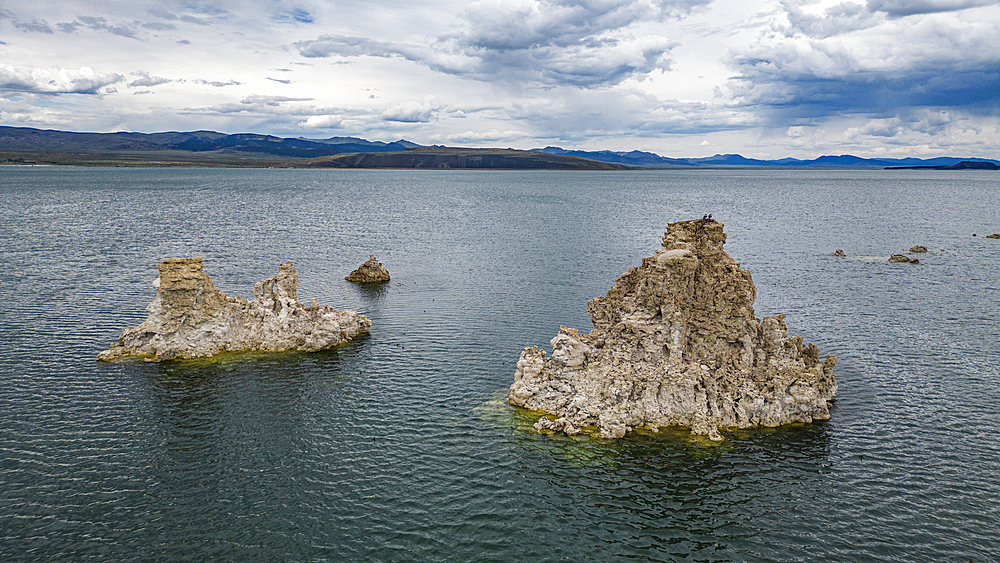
[
  {"x": 675, "y": 342},
  {"x": 191, "y": 318}
]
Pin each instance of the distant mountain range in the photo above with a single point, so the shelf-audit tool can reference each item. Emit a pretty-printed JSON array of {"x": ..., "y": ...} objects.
[
  {"x": 23, "y": 145},
  {"x": 640, "y": 159},
  {"x": 37, "y": 140}
]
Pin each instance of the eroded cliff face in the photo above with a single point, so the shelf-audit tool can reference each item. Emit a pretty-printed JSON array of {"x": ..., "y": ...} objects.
[
  {"x": 675, "y": 342},
  {"x": 191, "y": 318}
]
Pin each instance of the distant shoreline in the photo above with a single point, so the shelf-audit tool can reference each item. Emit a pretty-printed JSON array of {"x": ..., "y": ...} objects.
[
  {"x": 24, "y": 146},
  {"x": 964, "y": 165}
]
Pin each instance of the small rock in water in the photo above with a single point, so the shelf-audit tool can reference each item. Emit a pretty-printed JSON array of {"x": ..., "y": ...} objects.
[
  {"x": 675, "y": 342},
  {"x": 369, "y": 272},
  {"x": 994, "y": 235},
  {"x": 838, "y": 252},
  {"x": 899, "y": 258}
]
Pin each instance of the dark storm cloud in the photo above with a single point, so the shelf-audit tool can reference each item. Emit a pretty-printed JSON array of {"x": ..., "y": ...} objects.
[
  {"x": 551, "y": 42},
  {"x": 851, "y": 61},
  {"x": 902, "y": 8}
]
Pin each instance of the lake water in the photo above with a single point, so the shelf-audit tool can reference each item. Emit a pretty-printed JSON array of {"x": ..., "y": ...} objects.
[{"x": 400, "y": 446}]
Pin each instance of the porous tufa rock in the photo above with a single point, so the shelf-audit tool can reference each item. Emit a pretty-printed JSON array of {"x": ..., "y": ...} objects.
[
  {"x": 902, "y": 259},
  {"x": 918, "y": 249},
  {"x": 994, "y": 235},
  {"x": 675, "y": 342},
  {"x": 838, "y": 252},
  {"x": 369, "y": 272},
  {"x": 191, "y": 318}
]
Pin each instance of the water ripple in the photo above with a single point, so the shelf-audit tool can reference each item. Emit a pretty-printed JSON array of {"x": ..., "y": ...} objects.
[{"x": 400, "y": 447}]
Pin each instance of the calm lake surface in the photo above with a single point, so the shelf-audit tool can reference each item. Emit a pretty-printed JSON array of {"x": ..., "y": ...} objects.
[{"x": 400, "y": 446}]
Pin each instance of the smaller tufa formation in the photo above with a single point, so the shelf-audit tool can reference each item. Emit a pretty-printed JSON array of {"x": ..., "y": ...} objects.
[
  {"x": 675, "y": 342},
  {"x": 838, "y": 252},
  {"x": 191, "y": 318},
  {"x": 994, "y": 235},
  {"x": 918, "y": 249},
  {"x": 369, "y": 272},
  {"x": 902, "y": 259}
]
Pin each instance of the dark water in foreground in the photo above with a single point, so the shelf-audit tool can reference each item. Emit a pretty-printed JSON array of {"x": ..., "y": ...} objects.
[{"x": 399, "y": 447}]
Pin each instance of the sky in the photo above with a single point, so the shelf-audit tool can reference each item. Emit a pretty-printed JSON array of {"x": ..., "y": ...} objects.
[{"x": 681, "y": 78}]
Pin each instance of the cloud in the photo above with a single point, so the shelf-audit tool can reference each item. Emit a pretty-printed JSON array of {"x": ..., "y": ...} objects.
[
  {"x": 170, "y": 16},
  {"x": 55, "y": 80},
  {"x": 35, "y": 25},
  {"x": 216, "y": 83},
  {"x": 836, "y": 20},
  {"x": 543, "y": 42},
  {"x": 294, "y": 16},
  {"x": 925, "y": 61},
  {"x": 146, "y": 80},
  {"x": 879, "y": 128},
  {"x": 348, "y": 46},
  {"x": 322, "y": 121},
  {"x": 156, "y": 26},
  {"x": 902, "y": 8},
  {"x": 491, "y": 136},
  {"x": 69, "y": 27},
  {"x": 256, "y": 99},
  {"x": 101, "y": 24},
  {"x": 280, "y": 80},
  {"x": 410, "y": 111}
]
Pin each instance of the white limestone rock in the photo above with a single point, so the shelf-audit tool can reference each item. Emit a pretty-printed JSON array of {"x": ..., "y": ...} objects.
[
  {"x": 191, "y": 318},
  {"x": 676, "y": 342}
]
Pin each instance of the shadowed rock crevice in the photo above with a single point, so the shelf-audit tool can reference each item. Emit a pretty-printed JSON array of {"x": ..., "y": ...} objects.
[
  {"x": 191, "y": 318},
  {"x": 676, "y": 342}
]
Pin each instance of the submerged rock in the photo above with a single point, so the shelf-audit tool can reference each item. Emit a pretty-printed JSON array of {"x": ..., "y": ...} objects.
[
  {"x": 902, "y": 259},
  {"x": 371, "y": 271},
  {"x": 675, "y": 342},
  {"x": 918, "y": 248},
  {"x": 191, "y": 318},
  {"x": 838, "y": 252}
]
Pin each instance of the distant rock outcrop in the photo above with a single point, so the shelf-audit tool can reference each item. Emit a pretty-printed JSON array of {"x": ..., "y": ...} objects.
[
  {"x": 675, "y": 342},
  {"x": 918, "y": 249},
  {"x": 369, "y": 272},
  {"x": 902, "y": 259},
  {"x": 191, "y": 318},
  {"x": 838, "y": 252},
  {"x": 994, "y": 235}
]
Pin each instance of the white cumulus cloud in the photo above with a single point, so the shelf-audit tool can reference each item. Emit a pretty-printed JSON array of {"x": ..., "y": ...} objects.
[
  {"x": 55, "y": 80},
  {"x": 322, "y": 121}
]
